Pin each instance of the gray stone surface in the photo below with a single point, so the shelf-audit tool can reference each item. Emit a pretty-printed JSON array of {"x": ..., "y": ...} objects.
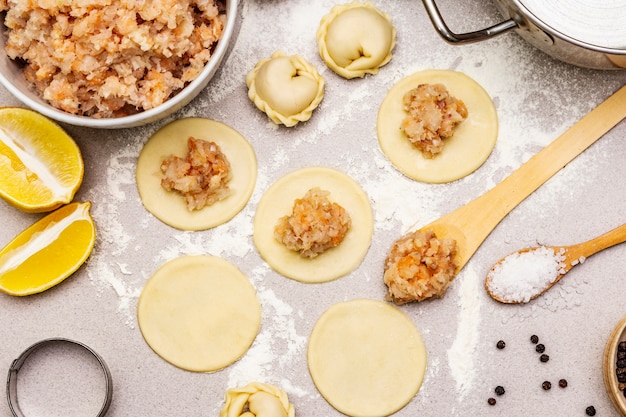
[{"x": 537, "y": 99}]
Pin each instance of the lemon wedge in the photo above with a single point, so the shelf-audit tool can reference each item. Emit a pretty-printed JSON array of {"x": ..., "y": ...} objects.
[
  {"x": 48, "y": 251},
  {"x": 41, "y": 166}
]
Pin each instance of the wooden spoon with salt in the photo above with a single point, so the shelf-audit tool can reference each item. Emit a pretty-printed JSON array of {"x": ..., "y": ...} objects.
[
  {"x": 470, "y": 224},
  {"x": 565, "y": 258}
]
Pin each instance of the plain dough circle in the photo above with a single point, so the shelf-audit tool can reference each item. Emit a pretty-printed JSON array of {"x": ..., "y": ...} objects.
[
  {"x": 355, "y": 39},
  {"x": 199, "y": 313},
  {"x": 278, "y": 201},
  {"x": 286, "y": 88},
  {"x": 169, "y": 206},
  {"x": 463, "y": 153},
  {"x": 366, "y": 358}
]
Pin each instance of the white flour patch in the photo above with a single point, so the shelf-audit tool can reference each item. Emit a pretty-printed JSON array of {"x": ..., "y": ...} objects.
[
  {"x": 291, "y": 389},
  {"x": 232, "y": 238},
  {"x": 106, "y": 211},
  {"x": 461, "y": 355},
  {"x": 277, "y": 344},
  {"x": 113, "y": 238}
]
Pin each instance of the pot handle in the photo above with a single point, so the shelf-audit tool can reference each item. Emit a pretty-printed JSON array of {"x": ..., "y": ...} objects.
[{"x": 460, "y": 38}]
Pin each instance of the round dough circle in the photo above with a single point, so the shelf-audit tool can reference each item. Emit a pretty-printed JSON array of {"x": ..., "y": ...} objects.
[
  {"x": 463, "y": 153},
  {"x": 169, "y": 206},
  {"x": 355, "y": 39},
  {"x": 366, "y": 358},
  {"x": 199, "y": 313},
  {"x": 278, "y": 201}
]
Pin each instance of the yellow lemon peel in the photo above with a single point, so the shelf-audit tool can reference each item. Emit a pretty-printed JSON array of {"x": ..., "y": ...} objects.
[
  {"x": 48, "y": 251},
  {"x": 41, "y": 167}
]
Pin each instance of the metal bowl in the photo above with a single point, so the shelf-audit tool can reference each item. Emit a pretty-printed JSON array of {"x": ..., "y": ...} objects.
[
  {"x": 585, "y": 33},
  {"x": 13, "y": 80}
]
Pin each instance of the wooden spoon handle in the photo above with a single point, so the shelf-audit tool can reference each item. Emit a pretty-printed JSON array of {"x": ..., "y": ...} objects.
[
  {"x": 610, "y": 238},
  {"x": 550, "y": 160},
  {"x": 478, "y": 218}
]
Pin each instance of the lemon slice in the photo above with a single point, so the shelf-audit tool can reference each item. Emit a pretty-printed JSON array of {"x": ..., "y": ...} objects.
[
  {"x": 48, "y": 251},
  {"x": 41, "y": 166}
]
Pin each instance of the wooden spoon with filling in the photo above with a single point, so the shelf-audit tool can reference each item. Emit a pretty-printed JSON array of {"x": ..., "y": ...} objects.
[{"x": 470, "y": 224}]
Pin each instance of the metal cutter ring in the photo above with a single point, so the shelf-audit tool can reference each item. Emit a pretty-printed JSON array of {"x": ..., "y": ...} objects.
[{"x": 17, "y": 365}]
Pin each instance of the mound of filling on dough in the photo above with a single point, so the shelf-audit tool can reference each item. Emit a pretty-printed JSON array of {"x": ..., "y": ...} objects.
[
  {"x": 201, "y": 177},
  {"x": 432, "y": 116},
  {"x": 420, "y": 266},
  {"x": 111, "y": 58},
  {"x": 315, "y": 224}
]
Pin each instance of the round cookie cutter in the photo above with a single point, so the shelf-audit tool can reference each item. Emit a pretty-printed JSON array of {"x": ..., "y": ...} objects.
[{"x": 17, "y": 364}]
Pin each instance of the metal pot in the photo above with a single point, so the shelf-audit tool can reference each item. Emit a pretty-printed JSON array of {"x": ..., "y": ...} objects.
[{"x": 586, "y": 33}]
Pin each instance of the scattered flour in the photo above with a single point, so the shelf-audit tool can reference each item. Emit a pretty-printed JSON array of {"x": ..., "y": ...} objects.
[
  {"x": 398, "y": 202},
  {"x": 278, "y": 343},
  {"x": 461, "y": 355}
]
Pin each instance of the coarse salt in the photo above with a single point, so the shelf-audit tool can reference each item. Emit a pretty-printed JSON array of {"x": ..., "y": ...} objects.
[{"x": 523, "y": 275}]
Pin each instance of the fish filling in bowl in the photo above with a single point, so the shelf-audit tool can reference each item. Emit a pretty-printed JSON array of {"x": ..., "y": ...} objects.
[{"x": 111, "y": 58}]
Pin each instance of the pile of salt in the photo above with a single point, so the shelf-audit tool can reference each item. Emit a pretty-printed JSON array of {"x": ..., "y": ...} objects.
[{"x": 523, "y": 275}]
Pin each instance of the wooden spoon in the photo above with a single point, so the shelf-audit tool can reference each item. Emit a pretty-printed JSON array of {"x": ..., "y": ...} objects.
[
  {"x": 573, "y": 255},
  {"x": 470, "y": 224}
]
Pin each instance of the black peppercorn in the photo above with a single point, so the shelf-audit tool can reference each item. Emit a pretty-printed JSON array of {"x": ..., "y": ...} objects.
[
  {"x": 546, "y": 385},
  {"x": 621, "y": 363},
  {"x": 544, "y": 358},
  {"x": 591, "y": 411},
  {"x": 535, "y": 339},
  {"x": 563, "y": 383},
  {"x": 540, "y": 348},
  {"x": 621, "y": 378},
  {"x": 491, "y": 401},
  {"x": 620, "y": 371},
  {"x": 500, "y": 344},
  {"x": 499, "y": 390},
  {"x": 621, "y": 347},
  {"x": 621, "y": 355}
]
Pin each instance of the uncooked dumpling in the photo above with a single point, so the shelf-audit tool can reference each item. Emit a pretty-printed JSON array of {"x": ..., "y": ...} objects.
[
  {"x": 463, "y": 153},
  {"x": 169, "y": 206},
  {"x": 278, "y": 201},
  {"x": 366, "y": 358},
  {"x": 356, "y": 39},
  {"x": 199, "y": 313},
  {"x": 257, "y": 399},
  {"x": 286, "y": 88}
]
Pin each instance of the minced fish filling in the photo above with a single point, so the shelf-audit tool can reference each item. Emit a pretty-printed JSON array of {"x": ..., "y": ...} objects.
[
  {"x": 419, "y": 266},
  {"x": 314, "y": 225},
  {"x": 432, "y": 116},
  {"x": 110, "y": 58},
  {"x": 201, "y": 177}
]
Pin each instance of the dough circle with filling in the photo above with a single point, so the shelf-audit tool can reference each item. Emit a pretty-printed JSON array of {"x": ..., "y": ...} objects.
[
  {"x": 169, "y": 206},
  {"x": 355, "y": 39},
  {"x": 286, "y": 88},
  {"x": 366, "y": 358},
  {"x": 463, "y": 153},
  {"x": 199, "y": 313},
  {"x": 278, "y": 201}
]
